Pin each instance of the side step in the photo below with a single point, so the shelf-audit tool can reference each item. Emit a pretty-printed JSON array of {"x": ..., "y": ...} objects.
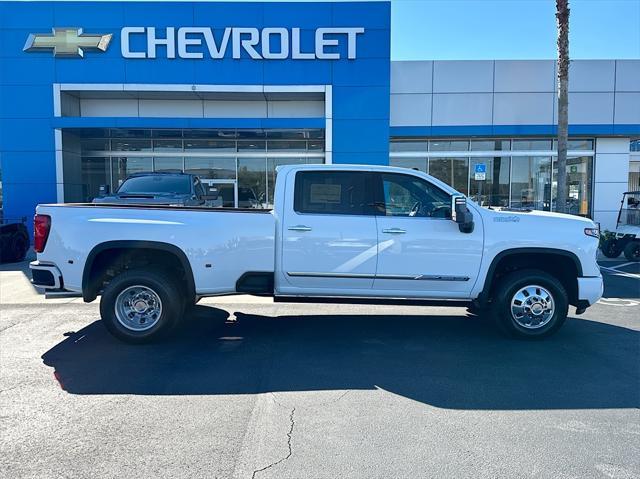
[
  {"x": 61, "y": 293},
  {"x": 372, "y": 301}
]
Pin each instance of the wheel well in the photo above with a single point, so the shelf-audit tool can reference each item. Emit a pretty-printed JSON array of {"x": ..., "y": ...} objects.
[
  {"x": 561, "y": 266},
  {"x": 106, "y": 262}
]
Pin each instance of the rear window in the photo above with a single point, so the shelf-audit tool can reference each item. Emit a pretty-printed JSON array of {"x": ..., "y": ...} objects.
[
  {"x": 331, "y": 192},
  {"x": 156, "y": 184}
]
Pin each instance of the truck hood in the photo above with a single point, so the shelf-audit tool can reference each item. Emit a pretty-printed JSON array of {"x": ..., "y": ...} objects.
[{"x": 551, "y": 216}]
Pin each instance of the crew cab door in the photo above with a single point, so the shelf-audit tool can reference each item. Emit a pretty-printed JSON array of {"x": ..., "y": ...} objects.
[
  {"x": 421, "y": 251},
  {"x": 328, "y": 235}
]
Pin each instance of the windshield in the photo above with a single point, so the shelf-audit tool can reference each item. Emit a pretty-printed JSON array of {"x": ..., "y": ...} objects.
[{"x": 156, "y": 185}]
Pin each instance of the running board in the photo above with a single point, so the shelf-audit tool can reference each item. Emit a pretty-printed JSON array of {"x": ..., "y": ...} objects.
[
  {"x": 61, "y": 293},
  {"x": 372, "y": 301}
]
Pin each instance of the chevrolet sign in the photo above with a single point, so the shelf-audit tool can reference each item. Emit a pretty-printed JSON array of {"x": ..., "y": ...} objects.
[{"x": 274, "y": 43}]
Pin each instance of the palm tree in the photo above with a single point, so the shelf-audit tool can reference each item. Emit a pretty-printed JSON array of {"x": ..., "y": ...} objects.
[{"x": 562, "y": 20}]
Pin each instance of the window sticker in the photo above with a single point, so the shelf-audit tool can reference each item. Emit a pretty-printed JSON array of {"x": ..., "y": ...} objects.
[{"x": 322, "y": 193}]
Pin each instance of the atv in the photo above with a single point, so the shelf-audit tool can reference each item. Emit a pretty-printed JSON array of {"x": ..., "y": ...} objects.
[{"x": 626, "y": 238}]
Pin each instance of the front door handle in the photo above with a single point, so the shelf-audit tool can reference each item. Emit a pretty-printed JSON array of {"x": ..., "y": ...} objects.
[
  {"x": 299, "y": 228},
  {"x": 394, "y": 231}
]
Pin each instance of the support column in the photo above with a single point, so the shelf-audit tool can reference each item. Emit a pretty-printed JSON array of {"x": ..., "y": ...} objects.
[{"x": 611, "y": 165}]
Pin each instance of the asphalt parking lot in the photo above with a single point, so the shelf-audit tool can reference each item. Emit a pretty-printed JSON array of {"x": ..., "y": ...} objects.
[{"x": 253, "y": 389}]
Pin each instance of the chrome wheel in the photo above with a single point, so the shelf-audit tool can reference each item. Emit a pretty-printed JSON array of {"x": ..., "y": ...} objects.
[
  {"x": 138, "y": 308},
  {"x": 532, "y": 307}
]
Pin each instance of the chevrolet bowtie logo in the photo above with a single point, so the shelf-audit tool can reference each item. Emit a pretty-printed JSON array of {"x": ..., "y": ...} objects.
[{"x": 67, "y": 42}]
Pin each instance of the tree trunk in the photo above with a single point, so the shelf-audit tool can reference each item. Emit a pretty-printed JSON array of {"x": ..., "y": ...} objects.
[{"x": 562, "y": 19}]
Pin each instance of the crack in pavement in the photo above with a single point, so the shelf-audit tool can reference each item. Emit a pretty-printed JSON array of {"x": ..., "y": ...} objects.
[{"x": 289, "y": 434}]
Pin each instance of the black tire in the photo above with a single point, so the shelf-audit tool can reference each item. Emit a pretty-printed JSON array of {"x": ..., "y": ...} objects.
[
  {"x": 632, "y": 251},
  {"x": 160, "y": 283},
  {"x": 17, "y": 247},
  {"x": 512, "y": 283},
  {"x": 610, "y": 248}
]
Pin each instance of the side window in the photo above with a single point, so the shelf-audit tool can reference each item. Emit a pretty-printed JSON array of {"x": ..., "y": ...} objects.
[
  {"x": 405, "y": 195},
  {"x": 331, "y": 192}
]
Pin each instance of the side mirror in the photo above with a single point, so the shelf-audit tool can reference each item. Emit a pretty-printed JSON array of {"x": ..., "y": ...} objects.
[
  {"x": 460, "y": 214},
  {"x": 103, "y": 190}
]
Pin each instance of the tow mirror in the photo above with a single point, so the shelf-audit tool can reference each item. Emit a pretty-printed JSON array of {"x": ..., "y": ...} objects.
[{"x": 460, "y": 213}]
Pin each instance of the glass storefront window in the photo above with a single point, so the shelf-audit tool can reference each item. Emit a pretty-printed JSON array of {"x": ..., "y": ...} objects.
[
  {"x": 531, "y": 182},
  {"x": 286, "y": 145},
  {"x": 167, "y": 145},
  {"x": 252, "y": 182},
  {"x": 124, "y": 166},
  {"x": 446, "y": 145},
  {"x": 578, "y": 185},
  {"x": 210, "y": 145},
  {"x": 131, "y": 145},
  {"x": 211, "y": 168},
  {"x": 252, "y": 145},
  {"x": 453, "y": 171},
  {"x": 94, "y": 144},
  {"x": 411, "y": 163},
  {"x": 579, "y": 144},
  {"x": 528, "y": 145},
  {"x": 272, "y": 164},
  {"x": 125, "y": 133},
  {"x": 489, "y": 145},
  {"x": 173, "y": 163},
  {"x": 494, "y": 189},
  {"x": 421, "y": 146}
]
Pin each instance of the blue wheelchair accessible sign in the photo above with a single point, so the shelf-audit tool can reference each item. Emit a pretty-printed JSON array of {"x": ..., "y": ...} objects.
[{"x": 480, "y": 171}]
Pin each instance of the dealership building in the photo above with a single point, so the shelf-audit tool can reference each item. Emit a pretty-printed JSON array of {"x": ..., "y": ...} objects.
[{"x": 93, "y": 92}]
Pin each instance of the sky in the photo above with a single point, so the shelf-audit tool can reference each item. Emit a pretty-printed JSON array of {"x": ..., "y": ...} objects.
[{"x": 511, "y": 29}]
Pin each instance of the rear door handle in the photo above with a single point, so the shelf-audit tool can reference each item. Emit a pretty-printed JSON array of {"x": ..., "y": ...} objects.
[
  {"x": 394, "y": 231},
  {"x": 299, "y": 228}
]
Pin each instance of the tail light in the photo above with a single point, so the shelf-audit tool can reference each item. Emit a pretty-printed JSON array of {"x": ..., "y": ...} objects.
[{"x": 41, "y": 228}]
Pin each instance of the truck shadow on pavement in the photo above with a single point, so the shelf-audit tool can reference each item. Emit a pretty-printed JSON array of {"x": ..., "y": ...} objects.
[{"x": 449, "y": 362}]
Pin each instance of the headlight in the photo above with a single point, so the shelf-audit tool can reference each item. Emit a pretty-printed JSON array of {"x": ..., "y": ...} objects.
[{"x": 595, "y": 232}]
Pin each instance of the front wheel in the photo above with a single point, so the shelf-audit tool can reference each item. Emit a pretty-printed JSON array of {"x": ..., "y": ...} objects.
[
  {"x": 141, "y": 306},
  {"x": 530, "y": 304},
  {"x": 632, "y": 251},
  {"x": 610, "y": 248}
]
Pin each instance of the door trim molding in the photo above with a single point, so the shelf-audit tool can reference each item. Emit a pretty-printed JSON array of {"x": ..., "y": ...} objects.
[{"x": 410, "y": 277}]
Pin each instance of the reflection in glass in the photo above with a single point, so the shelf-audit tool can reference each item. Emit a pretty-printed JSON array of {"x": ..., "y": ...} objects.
[
  {"x": 131, "y": 145},
  {"x": 411, "y": 163},
  {"x": 447, "y": 145},
  {"x": 216, "y": 146},
  {"x": 419, "y": 146},
  {"x": 173, "y": 163},
  {"x": 578, "y": 185},
  {"x": 494, "y": 189},
  {"x": 94, "y": 172},
  {"x": 211, "y": 168},
  {"x": 541, "y": 145},
  {"x": 531, "y": 182},
  {"x": 167, "y": 145},
  {"x": 489, "y": 145},
  {"x": 252, "y": 182},
  {"x": 124, "y": 166},
  {"x": 453, "y": 171},
  {"x": 272, "y": 164}
]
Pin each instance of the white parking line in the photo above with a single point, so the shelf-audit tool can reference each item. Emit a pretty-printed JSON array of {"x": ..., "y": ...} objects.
[
  {"x": 615, "y": 272},
  {"x": 624, "y": 264}
]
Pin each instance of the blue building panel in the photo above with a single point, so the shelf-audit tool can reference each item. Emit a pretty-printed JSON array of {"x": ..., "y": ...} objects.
[{"x": 361, "y": 93}]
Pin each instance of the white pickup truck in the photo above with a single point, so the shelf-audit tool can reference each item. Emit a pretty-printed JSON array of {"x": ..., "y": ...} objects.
[{"x": 337, "y": 233}]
